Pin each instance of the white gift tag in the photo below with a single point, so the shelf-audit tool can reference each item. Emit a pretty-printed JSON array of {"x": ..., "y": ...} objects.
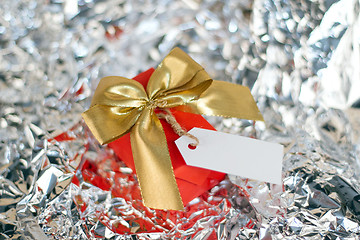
[{"x": 232, "y": 154}]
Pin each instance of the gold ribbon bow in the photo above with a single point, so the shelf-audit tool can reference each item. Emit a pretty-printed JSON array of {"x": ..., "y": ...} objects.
[{"x": 122, "y": 105}]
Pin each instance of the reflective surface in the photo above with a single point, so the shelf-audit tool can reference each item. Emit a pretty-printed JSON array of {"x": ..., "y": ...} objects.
[{"x": 301, "y": 60}]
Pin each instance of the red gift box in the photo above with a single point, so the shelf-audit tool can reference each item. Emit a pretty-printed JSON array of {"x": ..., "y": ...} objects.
[{"x": 192, "y": 181}]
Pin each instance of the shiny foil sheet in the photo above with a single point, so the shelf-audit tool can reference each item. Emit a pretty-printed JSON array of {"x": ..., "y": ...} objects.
[{"x": 300, "y": 58}]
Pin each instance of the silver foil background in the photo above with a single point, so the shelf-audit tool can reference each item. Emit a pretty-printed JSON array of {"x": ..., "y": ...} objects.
[{"x": 300, "y": 58}]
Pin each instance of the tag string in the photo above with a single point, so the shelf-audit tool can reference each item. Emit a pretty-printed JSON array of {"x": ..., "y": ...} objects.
[{"x": 178, "y": 129}]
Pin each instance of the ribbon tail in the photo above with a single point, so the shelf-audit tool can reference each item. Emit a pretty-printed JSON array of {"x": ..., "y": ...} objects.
[
  {"x": 226, "y": 100},
  {"x": 153, "y": 164}
]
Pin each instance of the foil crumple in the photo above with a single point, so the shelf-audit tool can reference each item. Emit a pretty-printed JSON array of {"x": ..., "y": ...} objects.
[{"x": 300, "y": 58}]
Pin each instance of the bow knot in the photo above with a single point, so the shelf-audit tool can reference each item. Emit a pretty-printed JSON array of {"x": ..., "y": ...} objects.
[
  {"x": 121, "y": 105},
  {"x": 156, "y": 103}
]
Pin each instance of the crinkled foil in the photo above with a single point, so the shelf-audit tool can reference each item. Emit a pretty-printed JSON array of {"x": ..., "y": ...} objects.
[{"x": 300, "y": 58}]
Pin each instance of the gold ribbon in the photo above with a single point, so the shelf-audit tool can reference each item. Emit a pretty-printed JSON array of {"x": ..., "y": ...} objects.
[{"x": 122, "y": 105}]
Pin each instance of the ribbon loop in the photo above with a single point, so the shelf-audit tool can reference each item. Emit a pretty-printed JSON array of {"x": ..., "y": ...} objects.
[
  {"x": 121, "y": 105},
  {"x": 176, "y": 70},
  {"x": 119, "y": 91}
]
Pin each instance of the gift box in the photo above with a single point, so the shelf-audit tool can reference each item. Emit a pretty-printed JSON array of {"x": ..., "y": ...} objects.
[{"x": 192, "y": 181}]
